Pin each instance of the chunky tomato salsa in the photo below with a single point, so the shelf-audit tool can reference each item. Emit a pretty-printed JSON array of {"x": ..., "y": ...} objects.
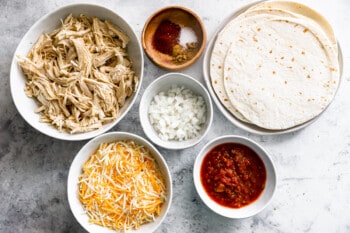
[{"x": 233, "y": 175}]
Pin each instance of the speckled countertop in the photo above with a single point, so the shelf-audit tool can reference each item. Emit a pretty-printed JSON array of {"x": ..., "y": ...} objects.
[{"x": 313, "y": 164}]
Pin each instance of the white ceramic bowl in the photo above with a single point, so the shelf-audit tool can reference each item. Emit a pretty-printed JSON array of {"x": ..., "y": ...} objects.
[
  {"x": 76, "y": 168},
  {"x": 47, "y": 24},
  {"x": 253, "y": 208},
  {"x": 229, "y": 116},
  {"x": 163, "y": 83}
]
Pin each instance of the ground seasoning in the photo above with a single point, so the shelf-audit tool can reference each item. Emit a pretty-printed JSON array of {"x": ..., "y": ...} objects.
[{"x": 176, "y": 41}]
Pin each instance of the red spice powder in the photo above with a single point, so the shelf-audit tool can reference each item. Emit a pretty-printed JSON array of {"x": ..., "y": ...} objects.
[{"x": 166, "y": 36}]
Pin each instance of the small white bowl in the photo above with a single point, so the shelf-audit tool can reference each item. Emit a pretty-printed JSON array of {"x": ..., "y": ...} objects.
[
  {"x": 251, "y": 209},
  {"x": 163, "y": 83},
  {"x": 26, "y": 106},
  {"x": 76, "y": 169}
]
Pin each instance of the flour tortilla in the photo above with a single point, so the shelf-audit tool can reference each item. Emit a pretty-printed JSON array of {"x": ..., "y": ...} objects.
[
  {"x": 254, "y": 13},
  {"x": 299, "y": 11},
  {"x": 222, "y": 45},
  {"x": 280, "y": 72}
]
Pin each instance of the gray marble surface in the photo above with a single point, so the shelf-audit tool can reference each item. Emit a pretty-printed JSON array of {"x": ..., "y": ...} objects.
[{"x": 313, "y": 164}]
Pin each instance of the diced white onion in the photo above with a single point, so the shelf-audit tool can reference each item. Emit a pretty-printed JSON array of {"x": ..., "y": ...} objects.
[{"x": 177, "y": 114}]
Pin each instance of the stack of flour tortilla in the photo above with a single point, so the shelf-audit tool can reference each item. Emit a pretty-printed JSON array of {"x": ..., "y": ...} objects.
[{"x": 275, "y": 65}]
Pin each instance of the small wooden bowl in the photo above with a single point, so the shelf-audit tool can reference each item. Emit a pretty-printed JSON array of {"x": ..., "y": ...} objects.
[{"x": 184, "y": 18}]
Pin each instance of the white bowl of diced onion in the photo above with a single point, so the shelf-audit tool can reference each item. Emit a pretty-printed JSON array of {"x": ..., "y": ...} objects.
[
  {"x": 175, "y": 111},
  {"x": 136, "y": 192}
]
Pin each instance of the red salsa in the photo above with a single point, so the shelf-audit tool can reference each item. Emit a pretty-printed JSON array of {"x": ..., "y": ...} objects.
[
  {"x": 166, "y": 36},
  {"x": 233, "y": 175}
]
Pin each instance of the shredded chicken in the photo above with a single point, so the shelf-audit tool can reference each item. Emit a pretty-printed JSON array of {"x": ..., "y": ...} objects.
[{"x": 80, "y": 74}]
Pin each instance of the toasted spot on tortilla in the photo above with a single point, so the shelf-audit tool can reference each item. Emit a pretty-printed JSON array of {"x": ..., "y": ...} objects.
[
  {"x": 270, "y": 51},
  {"x": 273, "y": 72},
  {"x": 293, "y": 59},
  {"x": 305, "y": 30}
]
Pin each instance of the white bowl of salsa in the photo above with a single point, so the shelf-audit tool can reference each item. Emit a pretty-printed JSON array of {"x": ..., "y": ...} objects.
[{"x": 234, "y": 176}]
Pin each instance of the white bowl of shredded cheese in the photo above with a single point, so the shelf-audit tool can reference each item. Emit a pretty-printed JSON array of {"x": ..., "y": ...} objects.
[
  {"x": 175, "y": 111},
  {"x": 119, "y": 182},
  {"x": 75, "y": 99}
]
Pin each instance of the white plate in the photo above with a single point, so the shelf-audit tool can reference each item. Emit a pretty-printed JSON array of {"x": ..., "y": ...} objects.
[
  {"x": 47, "y": 24},
  {"x": 240, "y": 124}
]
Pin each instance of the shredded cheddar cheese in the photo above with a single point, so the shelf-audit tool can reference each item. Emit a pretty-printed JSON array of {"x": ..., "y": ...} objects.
[{"x": 121, "y": 186}]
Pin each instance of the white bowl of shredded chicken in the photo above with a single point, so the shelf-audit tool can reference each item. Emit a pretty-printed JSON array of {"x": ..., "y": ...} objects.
[
  {"x": 77, "y": 72},
  {"x": 175, "y": 111},
  {"x": 119, "y": 182}
]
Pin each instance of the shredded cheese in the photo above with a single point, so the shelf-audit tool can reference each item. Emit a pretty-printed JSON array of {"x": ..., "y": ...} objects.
[{"x": 121, "y": 186}]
